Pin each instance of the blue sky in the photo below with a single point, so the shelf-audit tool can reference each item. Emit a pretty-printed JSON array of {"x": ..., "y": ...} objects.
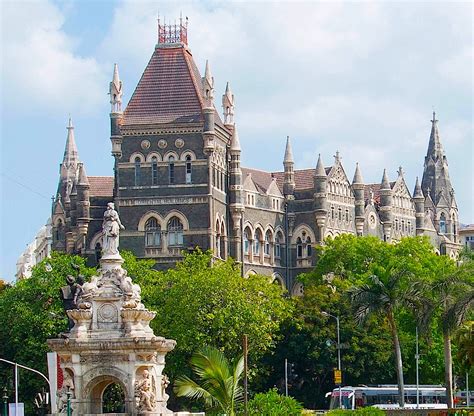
[{"x": 358, "y": 77}]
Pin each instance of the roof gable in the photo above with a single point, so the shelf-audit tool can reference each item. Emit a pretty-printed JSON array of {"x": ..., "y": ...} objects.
[
  {"x": 249, "y": 184},
  {"x": 273, "y": 189}
]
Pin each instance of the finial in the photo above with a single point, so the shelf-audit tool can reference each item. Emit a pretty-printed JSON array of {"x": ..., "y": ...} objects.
[
  {"x": 337, "y": 156},
  {"x": 400, "y": 171},
  {"x": 434, "y": 117},
  {"x": 69, "y": 124}
]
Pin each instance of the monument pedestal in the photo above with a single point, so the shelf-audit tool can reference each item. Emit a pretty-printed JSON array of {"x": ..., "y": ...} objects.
[{"x": 112, "y": 343}]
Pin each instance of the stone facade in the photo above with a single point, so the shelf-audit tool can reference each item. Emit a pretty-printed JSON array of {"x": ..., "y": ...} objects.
[{"x": 178, "y": 184}]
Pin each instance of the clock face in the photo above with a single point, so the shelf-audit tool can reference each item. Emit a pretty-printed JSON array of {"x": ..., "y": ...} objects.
[{"x": 372, "y": 220}]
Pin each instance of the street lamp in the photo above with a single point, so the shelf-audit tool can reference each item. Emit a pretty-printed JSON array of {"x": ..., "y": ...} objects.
[
  {"x": 338, "y": 346},
  {"x": 5, "y": 401}
]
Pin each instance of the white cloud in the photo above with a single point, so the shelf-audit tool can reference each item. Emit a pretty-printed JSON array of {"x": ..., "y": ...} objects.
[{"x": 40, "y": 70}]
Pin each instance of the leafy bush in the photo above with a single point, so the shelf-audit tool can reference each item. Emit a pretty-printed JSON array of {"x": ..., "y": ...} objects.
[
  {"x": 364, "y": 411},
  {"x": 273, "y": 404}
]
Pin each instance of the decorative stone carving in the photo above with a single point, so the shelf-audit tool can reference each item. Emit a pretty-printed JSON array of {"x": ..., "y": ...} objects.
[
  {"x": 145, "y": 144},
  {"x": 144, "y": 392},
  {"x": 179, "y": 143},
  {"x": 112, "y": 341},
  {"x": 162, "y": 144},
  {"x": 111, "y": 227}
]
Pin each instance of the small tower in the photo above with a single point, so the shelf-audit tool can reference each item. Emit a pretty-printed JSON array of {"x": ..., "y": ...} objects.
[
  {"x": 115, "y": 91},
  {"x": 386, "y": 206},
  {"x": 236, "y": 194},
  {"x": 436, "y": 184},
  {"x": 419, "y": 201},
  {"x": 83, "y": 205},
  {"x": 320, "y": 198},
  {"x": 228, "y": 106},
  {"x": 289, "y": 176},
  {"x": 208, "y": 109},
  {"x": 358, "y": 188}
]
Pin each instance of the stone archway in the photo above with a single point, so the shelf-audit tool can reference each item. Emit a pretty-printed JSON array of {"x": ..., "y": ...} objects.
[{"x": 95, "y": 397}]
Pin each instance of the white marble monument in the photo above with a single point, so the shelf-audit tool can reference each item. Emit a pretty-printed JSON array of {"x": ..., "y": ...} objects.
[{"x": 111, "y": 341}]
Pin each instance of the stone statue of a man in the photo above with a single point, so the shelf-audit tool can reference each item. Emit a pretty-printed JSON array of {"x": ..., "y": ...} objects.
[{"x": 111, "y": 227}]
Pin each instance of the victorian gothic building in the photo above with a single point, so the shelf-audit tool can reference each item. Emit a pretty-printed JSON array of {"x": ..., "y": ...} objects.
[{"x": 178, "y": 184}]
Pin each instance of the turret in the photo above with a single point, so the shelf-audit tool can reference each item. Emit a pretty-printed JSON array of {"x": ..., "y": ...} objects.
[
  {"x": 116, "y": 119},
  {"x": 236, "y": 194},
  {"x": 228, "y": 106},
  {"x": 320, "y": 198},
  {"x": 83, "y": 202},
  {"x": 419, "y": 200},
  {"x": 208, "y": 108},
  {"x": 358, "y": 189},
  {"x": 289, "y": 175},
  {"x": 385, "y": 212}
]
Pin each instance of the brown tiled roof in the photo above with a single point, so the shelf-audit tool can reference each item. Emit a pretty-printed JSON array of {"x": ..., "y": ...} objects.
[
  {"x": 101, "y": 185},
  {"x": 169, "y": 90},
  {"x": 261, "y": 178},
  {"x": 303, "y": 178}
]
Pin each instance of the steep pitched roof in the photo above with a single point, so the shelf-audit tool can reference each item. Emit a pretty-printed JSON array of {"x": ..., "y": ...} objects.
[
  {"x": 169, "y": 91},
  {"x": 101, "y": 185}
]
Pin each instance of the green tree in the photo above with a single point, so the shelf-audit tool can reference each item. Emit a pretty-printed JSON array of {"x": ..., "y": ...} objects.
[
  {"x": 205, "y": 302},
  {"x": 386, "y": 278},
  {"x": 218, "y": 381},
  {"x": 31, "y": 312},
  {"x": 309, "y": 345}
]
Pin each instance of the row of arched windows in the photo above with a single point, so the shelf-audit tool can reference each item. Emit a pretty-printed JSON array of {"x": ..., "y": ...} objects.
[
  {"x": 263, "y": 248},
  {"x": 154, "y": 170},
  {"x": 173, "y": 232},
  {"x": 338, "y": 214}
]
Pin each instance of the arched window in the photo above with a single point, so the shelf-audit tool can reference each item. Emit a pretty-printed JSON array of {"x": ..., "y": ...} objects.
[
  {"x": 188, "y": 169},
  {"x": 309, "y": 250},
  {"x": 268, "y": 238},
  {"x": 332, "y": 213},
  {"x": 175, "y": 232},
  {"x": 137, "y": 171},
  {"x": 218, "y": 240},
  {"x": 256, "y": 243},
  {"x": 442, "y": 223},
  {"x": 347, "y": 215},
  {"x": 152, "y": 233},
  {"x": 278, "y": 241},
  {"x": 171, "y": 169},
  {"x": 299, "y": 248},
  {"x": 154, "y": 170},
  {"x": 59, "y": 234},
  {"x": 339, "y": 213},
  {"x": 246, "y": 241},
  {"x": 222, "y": 246}
]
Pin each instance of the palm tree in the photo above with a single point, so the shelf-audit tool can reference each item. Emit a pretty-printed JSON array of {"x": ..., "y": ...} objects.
[
  {"x": 387, "y": 290},
  {"x": 452, "y": 295},
  {"x": 218, "y": 381}
]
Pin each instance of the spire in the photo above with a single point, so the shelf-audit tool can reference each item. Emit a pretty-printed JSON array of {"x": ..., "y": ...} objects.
[
  {"x": 385, "y": 184},
  {"x": 320, "y": 171},
  {"x": 71, "y": 157},
  {"x": 235, "y": 142},
  {"x": 115, "y": 91},
  {"x": 288, "y": 152},
  {"x": 228, "y": 105},
  {"x": 435, "y": 149},
  {"x": 208, "y": 83},
  {"x": 357, "y": 175},
  {"x": 418, "y": 192}
]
